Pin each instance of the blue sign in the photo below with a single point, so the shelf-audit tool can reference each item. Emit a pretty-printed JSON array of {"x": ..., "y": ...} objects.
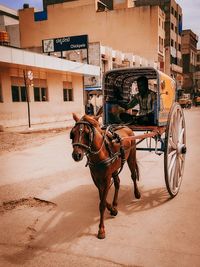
[{"x": 65, "y": 43}]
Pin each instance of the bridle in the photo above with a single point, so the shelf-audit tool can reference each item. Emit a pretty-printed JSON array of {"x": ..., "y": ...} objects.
[
  {"x": 89, "y": 151},
  {"x": 88, "y": 147}
]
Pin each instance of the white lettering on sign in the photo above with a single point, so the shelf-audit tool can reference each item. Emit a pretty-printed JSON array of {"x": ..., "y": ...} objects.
[
  {"x": 77, "y": 46},
  {"x": 63, "y": 40}
]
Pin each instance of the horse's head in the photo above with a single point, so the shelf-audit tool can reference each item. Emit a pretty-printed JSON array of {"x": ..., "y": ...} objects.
[{"x": 82, "y": 135}]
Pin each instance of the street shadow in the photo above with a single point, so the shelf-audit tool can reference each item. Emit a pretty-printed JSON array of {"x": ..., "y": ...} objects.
[
  {"x": 75, "y": 215},
  {"x": 150, "y": 199}
]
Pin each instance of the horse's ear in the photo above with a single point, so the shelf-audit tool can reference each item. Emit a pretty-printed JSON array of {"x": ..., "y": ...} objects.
[
  {"x": 97, "y": 117},
  {"x": 75, "y": 117}
]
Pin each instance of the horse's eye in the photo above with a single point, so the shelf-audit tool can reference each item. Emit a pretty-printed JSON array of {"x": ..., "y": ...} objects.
[{"x": 71, "y": 135}]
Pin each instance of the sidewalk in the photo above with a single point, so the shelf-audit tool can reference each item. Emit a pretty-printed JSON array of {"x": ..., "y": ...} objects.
[{"x": 40, "y": 127}]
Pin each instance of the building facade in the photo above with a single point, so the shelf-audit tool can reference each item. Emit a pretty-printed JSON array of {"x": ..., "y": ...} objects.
[
  {"x": 9, "y": 27},
  {"x": 38, "y": 89},
  {"x": 197, "y": 73},
  {"x": 189, "y": 55},
  {"x": 173, "y": 29},
  {"x": 117, "y": 28}
]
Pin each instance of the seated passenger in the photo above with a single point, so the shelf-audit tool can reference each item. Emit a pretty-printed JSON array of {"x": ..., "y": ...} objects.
[{"x": 146, "y": 100}]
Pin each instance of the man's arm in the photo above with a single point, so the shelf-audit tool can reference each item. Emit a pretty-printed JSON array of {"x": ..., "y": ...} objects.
[{"x": 132, "y": 103}]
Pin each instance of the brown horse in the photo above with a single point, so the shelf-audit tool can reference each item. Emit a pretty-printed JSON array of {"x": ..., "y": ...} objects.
[{"x": 106, "y": 151}]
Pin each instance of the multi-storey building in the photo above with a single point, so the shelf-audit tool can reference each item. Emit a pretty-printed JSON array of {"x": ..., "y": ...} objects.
[
  {"x": 173, "y": 29},
  {"x": 197, "y": 73},
  {"x": 36, "y": 88},
  {"x": 9, "y": 27},
  {"x": 114, "y": 25},
  {"x": 189, "y": 55},
  {"x": 111, "y": 28}
]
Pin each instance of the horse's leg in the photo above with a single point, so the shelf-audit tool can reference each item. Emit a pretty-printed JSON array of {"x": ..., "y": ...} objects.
[
  {"x": 103, "y": 192},
  {"x": 113, "y": 210},
  {"x": 132, "y": 163}
]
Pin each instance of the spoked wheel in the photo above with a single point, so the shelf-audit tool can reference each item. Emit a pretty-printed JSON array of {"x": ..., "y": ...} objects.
[{"x": 175, "y": 149}]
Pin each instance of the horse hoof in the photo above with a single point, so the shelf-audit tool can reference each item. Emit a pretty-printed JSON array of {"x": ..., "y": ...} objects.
[
  {"x": 113, "y": 212},
  {"x": 101, "y": 235},
  {"x": 137, "y": 195}
]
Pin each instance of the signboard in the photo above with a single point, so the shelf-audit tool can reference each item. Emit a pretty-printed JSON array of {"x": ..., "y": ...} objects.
[
  {"x": 65, "y": 43},
  {"x": 30, "y": 75}
]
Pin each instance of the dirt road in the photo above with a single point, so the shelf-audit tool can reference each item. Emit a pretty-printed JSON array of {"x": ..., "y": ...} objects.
[
  {"x": 49, "y": 209},
  {"x": 16, "y": 141}
]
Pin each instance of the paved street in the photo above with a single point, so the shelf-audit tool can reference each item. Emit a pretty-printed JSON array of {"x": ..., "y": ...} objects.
[{"x": 50, "y": 214}]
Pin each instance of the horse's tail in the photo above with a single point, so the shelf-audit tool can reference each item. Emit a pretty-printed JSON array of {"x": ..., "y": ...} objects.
[{"x": 137, "y": 172}]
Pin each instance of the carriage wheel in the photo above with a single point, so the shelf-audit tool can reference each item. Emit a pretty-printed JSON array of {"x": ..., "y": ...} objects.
[{"x": 175, "y": 149}]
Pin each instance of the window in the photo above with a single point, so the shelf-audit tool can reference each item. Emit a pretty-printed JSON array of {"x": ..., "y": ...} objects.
[
  {"x": 23, "y": 93},
  {"x": 67, "y": 91},
  {"x": 161, "y": 42},
  {"x": 172, "y": 26},
  {"x": 40, "y": 94},
  {"x": 67, "y": 94},
  {"x": 173, "y": 60},
  {"x": 104, "y": 5},
  {"x": 18, "y": 93}
]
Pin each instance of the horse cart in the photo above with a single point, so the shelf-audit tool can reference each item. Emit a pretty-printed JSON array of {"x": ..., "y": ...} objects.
[
  {"x": 168, "y": 127},
  {"x": 107, "y": 147}
]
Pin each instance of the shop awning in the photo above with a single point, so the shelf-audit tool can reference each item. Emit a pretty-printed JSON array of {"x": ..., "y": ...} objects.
[{"x": 93, "y": 88}]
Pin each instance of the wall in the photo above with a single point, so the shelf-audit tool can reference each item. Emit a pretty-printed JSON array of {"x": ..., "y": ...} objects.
[
  {"x": 117, "y": 29},
  {"x": 13, "y": 31},
  {"x": 15, "y": 113}
]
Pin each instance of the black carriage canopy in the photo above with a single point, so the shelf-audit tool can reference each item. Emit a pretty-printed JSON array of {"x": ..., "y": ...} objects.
[{"x": 119, "y": 84}]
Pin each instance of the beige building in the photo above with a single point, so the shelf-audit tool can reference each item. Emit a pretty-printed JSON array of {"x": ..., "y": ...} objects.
[
  {"x": 197, "y": 73},
  {"x": 9, "y": 27},
  {"x": 189, "y": 54},
  {"x": 54, "y": 88},
  {"x": 173, "y": 29},
  {"x": 138, "y": 31}
]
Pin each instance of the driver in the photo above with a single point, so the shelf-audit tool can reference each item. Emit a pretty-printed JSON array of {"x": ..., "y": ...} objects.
[{"x": 146, "y": 100}]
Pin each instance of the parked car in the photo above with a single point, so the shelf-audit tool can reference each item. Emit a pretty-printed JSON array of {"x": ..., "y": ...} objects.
[
  {"x": 185, "y": 101},
  {"x": 197, "y": 100}
]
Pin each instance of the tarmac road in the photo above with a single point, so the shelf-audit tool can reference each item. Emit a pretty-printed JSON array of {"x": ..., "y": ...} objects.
[{"x": 49, "y": 210}]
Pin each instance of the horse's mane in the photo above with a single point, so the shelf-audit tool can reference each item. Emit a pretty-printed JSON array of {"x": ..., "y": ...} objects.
[{"x": 91, "y": 120}]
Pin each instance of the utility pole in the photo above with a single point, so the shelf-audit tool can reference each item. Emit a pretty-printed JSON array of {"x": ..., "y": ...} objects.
[{"x": 27, "y": 95}]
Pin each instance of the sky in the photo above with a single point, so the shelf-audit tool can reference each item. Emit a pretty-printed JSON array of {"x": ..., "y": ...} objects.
[{"x": 190, "y": 8}]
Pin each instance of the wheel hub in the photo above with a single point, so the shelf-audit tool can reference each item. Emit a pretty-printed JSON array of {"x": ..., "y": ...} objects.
[{"x": 181, "y": 149}]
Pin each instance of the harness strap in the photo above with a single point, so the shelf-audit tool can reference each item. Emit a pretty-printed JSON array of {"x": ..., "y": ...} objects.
[
  {"x": 105, "y": 162},
  {"x": 80, "y": 144},
  {"x": 112, "y": 135},
  {"x": 112, "y": 156}
]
